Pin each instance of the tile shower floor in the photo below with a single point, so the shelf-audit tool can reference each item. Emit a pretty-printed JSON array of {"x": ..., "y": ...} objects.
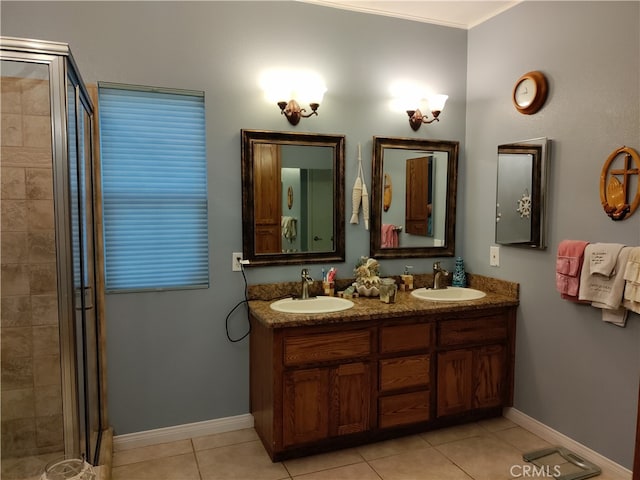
[{"x": 487, "y": 450}]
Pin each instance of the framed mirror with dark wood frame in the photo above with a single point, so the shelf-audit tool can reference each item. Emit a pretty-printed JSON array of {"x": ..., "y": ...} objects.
[
  {"x": 292, "y": 197},
  {"x": 413, "y": 198}
]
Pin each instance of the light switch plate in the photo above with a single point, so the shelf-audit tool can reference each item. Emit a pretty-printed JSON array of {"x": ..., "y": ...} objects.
[{"x": 494, "y": 256}]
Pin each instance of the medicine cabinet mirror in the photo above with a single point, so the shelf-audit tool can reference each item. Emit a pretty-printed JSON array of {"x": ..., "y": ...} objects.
[
  {"x": 413, "y": 198},
  {"x": 522, "y": 193},
  {"x": 292, "y": 197}
]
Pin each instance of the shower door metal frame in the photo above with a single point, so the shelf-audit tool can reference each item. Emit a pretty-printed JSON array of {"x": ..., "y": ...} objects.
[{"x": 60, "y": 61}]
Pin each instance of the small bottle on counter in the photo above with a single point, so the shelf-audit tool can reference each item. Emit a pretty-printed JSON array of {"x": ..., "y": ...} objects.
[
  {"x": 328, "y": 282},
  {"x": 459, "y": 275},
  {"x": 407, "y": 279}
]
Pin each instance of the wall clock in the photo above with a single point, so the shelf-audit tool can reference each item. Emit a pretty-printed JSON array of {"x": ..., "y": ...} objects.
[{"x": 530, "y": 92}]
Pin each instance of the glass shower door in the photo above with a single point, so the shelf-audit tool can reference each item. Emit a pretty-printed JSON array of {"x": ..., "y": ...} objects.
[
  {"x": 32, "y": 388},
  {"x": 84, "y": 280},
  {"x": 51, "y": 375}
]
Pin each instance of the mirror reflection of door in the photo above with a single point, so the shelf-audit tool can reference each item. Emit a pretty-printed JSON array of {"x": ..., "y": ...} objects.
[
  {"x": 292, "y": 181},
  {"x": 309, "y": 170},
  {"x": 320, "y": 190},
  {"x": 419, "y": 205}
]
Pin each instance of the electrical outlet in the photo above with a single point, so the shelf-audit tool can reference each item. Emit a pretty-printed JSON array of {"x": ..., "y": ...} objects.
[
  {"x": 236, "y": 258},
  {"x": 494, "y": 256}
]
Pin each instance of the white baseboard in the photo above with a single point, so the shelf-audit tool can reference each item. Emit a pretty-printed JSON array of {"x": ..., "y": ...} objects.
[
  {"x": 181, "y": 432},
  {"x": 556, "y": 438}
]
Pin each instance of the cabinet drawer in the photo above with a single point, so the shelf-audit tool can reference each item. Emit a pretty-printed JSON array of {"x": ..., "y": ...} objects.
[
  {"x": 397, "y": 373},
  {"x": 403, "y": 409},
  {"x": 403, "y": 338},
  {"x": 322, "y": 347},
  {"x": 479, "y": 330}
]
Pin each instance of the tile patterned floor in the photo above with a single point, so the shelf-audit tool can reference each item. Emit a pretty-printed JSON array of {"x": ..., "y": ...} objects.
[{"x": 478, "y": 451}]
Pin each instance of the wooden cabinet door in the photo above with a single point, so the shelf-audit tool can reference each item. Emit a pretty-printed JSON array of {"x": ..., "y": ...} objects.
[
  {"x": 489, "y": 364},
  {"x": 455, "y": 382},
  {"x": 417, "y": 205},
  {"x": 350, "y": 398},
  {"x": 323, "y": 402},
  {"x": 268, "y": 198},
  {"x": 305, "y": 406}
]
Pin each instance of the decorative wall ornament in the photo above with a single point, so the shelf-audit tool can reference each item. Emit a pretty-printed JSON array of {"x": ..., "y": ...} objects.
[
  {"x": 290, "y": 197},
  {"x": 524, "y": 205},
  {"x": 388, "y": 192},
  {"x": 614, "y": 193}
]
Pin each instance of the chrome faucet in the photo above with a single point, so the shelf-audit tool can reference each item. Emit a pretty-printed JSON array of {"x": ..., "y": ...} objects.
[
  {"x": 438, "y": 276},
  {"x": 306, "y": 281}
]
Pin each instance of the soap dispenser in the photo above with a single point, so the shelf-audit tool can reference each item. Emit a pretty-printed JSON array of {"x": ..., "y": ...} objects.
[
  {"x": 459, "y": 275},
  {"x": 407, "y": 279}
]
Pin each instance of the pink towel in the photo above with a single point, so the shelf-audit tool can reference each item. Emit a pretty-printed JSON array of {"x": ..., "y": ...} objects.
[
  {"x": 389, "y": 236},
  {"x": 568, "y": 268}
]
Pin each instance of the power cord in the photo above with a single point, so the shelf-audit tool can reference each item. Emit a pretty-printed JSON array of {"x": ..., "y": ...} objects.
[{"x": 241, "y": 302}]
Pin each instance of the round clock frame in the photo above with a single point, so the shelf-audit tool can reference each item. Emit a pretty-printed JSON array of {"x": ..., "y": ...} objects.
[{"x": 530, "y": 105}]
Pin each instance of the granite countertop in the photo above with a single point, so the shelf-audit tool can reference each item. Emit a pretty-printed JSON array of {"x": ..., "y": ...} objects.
[{"x": 500, "y": 293}]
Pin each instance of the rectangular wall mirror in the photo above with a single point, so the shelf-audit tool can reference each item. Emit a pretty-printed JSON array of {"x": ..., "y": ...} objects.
[
  {"x": 521, "y": 193},
  {"x": 292, "y": 197},
  {"x": 413, "y": 197}
]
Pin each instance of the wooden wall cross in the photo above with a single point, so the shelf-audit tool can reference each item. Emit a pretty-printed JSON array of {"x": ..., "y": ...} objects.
[{"x": 614, "y": 195}]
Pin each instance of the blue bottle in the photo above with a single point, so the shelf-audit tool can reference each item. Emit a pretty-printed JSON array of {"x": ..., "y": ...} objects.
[{"x": 459, "y": 275}]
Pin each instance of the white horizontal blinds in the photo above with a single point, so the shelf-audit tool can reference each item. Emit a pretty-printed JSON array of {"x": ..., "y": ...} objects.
[{"x": 154, "y": 176}]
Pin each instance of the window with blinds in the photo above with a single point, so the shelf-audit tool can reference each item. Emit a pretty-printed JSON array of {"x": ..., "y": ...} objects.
[{"x": 154, "y": 188}]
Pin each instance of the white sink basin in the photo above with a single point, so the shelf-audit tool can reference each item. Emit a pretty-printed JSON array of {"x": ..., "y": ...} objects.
[
  {"x": 449, "y": 294},
  {"x": 312, "y": 305}
]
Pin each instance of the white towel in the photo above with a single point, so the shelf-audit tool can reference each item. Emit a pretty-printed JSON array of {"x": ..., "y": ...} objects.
[
  {"x": 616, "y": 317},
  {"x": 631, "y": 300},
  {"x": 603, "y": 258},
  {"x": 289, "y": 230},
  {"x": 602, "y": 291},
  {"x": 632, "y": 270}
]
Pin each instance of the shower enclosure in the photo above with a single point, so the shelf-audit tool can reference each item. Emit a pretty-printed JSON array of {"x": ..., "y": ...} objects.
[{"x": 51, "y": 383}]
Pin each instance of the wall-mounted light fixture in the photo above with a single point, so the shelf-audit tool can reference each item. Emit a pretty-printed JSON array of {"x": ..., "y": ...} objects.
[
  {"x": 414, "y": 98},
  {"x": 290, "y": 88},
  {"x": 293, "y": 111},
  {"x": 435, "y": 104}
]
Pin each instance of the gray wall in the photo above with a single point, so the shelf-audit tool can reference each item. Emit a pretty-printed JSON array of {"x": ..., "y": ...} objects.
[
  {"x": 169, "y": 360},
  {"x": 573, "y": 372}
]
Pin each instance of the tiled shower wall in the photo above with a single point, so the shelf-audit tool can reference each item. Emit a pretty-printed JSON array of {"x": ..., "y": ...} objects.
[{"x": 31, "y": 376}]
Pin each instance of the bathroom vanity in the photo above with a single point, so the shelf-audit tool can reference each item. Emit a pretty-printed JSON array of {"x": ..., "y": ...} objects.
[{"x": 376, "y": 371}]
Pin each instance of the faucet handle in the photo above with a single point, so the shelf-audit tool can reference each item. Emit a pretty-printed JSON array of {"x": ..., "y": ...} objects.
[{"x": 436, "y": 266}]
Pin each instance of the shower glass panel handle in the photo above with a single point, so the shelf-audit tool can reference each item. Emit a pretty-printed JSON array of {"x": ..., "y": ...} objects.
[{"x": 87, "y": 302}]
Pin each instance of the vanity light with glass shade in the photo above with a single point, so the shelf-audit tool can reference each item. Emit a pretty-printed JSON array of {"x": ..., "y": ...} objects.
[
  {"x": 414, "y": 98},
  {"x": 435, "y": 104},
  {"x": 289, "y": 88}
]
